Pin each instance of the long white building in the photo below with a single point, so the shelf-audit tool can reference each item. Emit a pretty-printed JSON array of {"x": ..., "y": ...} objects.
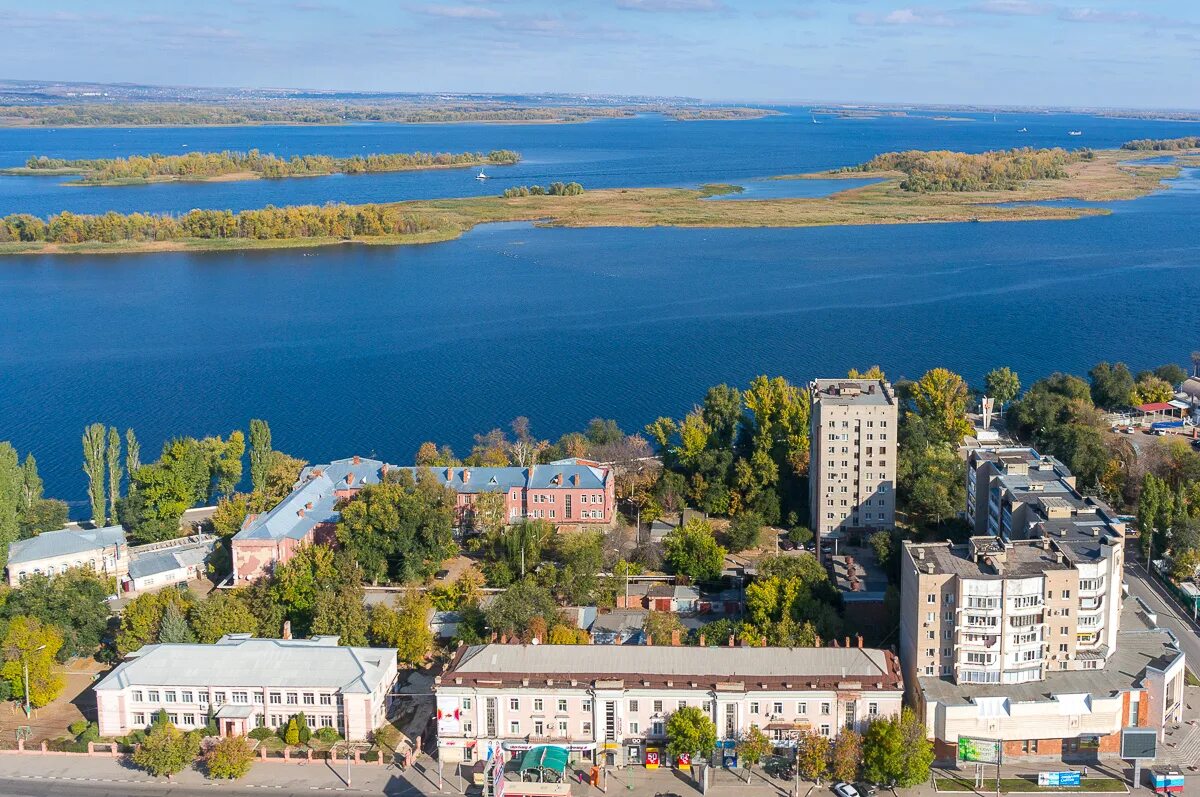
[
  {"x": 246, "y": 683},
  {"x": 610, "y": 703}
]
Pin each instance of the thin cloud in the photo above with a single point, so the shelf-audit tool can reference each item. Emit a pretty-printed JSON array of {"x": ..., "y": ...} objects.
[
  {"x": 460, "y": 12},
  {"x": 914, "y": 17},
  {"x": 673, "y": 6},
  {"x": 1012, "y": 8}
]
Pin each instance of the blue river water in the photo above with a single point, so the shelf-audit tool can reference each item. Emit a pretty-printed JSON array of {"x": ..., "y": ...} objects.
[{"x": 372, "y": 350}]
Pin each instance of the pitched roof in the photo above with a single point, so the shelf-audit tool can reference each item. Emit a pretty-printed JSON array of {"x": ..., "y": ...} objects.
[
  {"x": 239, "y": 660},
  {"x": 152, "y": 563},
  {"x": 64, "y": 543}
]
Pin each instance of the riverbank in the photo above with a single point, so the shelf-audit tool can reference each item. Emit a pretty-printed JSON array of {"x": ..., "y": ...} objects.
[{"x": 1110, "y": 176}]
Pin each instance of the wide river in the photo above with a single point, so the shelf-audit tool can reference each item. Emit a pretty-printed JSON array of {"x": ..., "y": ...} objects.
[{"x": 373, "y": 350}]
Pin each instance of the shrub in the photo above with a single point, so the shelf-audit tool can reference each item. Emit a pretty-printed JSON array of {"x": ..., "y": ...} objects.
[
  {"x": 77, "y": 727},
  {"x": 291, "y": 733},
  {"x": 230, "y": 758},
  {"x": 328, "y": 735},
  {"x": 305, "y": 732},
  {"x": 89, "y": 734},
  {"x": 261, "y": 734}
]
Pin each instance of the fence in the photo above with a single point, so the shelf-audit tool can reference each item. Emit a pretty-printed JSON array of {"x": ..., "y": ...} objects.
[{"x": 114, "y": 750}]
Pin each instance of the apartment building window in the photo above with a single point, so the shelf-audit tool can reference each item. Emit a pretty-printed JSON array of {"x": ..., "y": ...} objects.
[
  {"x": 326, "y": 721},
  {"x": 188, "y": 719},
  {"x": 218, "y": 698},
  {"x": 931, "y": 597},
  {"x": 327, "y": 700},
  {"x": 276, "y": 698},
  {"x": 468, "y": 727},
  {"x": 514, "y": 704},
  {"x": 802, "y": 708},
  {"x": 657, "y": 729},
  {"x": 1089, "y": 584},
  {"x": 152, "y": 695},
  {"x": 562, "y": 728},
  {"x": 173, "y": 718},
  {"x": 169, "y": 697},
  {"x": 1025, "y": 601},
  {"x": 633, "y": 706},
  {"x": 562, "y": 707},
  {"x": 824, "y": 730},
  {"x": 202, "y": 698},
  {"x": 1066, "y": 593},
  {"x": 657, "y": 706},
  {"x": 682, "y": 704},
  {"x": 930, "y": 617},
  {"x": 947, "y": 634},
  {"x": 136, "y": 695},
  {"x": 258, "y": 698},
  {"x": 587, "y": 704},
  {"x": 872, "y": 709},
  {"x": 514, "y": 728},
  {"x": 185, "y": 697},
  {"x": 292, "y": 698},
  {"x": 241, "y": 697},
  {"x": 587, "y": 728},
  {"x": 825, "y": 709},
  {"x": 633, "y": 728},
  {"x": 1091, "y": 664},
  {"x": 538, "y": 728},
  {"x": 1135, "y": 700},
  {"x": 139, "y": 718},
  {"x": 466, "y": 703},
  {"x": 538, "y": 705},
  {"x": 1062, "y": 648}
]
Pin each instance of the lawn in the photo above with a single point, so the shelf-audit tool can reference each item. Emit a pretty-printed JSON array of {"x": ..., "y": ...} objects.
[{"x": 1029, "y": 785}]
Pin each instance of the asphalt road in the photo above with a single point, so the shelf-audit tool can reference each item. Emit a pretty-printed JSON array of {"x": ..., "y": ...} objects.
[{"x": 1169, "y": 615}]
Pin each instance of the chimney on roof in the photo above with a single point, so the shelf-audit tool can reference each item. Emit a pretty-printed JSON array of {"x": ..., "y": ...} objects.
[
  {"x": 817, "y": 642},
  {"x": 921, "y": 554},
  {"x": 308, "y": 505},
  {"x": 287, "y": 629},
  {"x": 649, "y": 639},
  {"x": 847, "y": 641},
  {"x": 575, "y": 479},
  {"x": 731, "y": 640},
  {"x": 702, "y": 640},
  {"x": 449, "y": 474},
  {"x": 357, "y": 459},
  {"x": 833, "y": 644},
  {"x": 466, "y": 475},
  {"x": 300, "y": 512},
  {"x": 349, "y": 478},
  {"x": 383, "y": 469},
  {"x": 860, "y": 641}
]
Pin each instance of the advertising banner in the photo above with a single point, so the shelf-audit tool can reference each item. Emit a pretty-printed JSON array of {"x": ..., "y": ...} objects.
[
  {"x": 449, "y": 716},
  {"x": 978, "y": 751}
]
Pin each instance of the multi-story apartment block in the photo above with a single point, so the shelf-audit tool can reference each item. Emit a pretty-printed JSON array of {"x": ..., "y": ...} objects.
[
  {"x": 1019, "y": 633},
  {"x": 247, "y": 683},
  {"x": 571, "y": 492},
  {"x": 610, "y": 703},
  {"x": 852, "y": 470},
  {"x": 1010, "y": 489}
]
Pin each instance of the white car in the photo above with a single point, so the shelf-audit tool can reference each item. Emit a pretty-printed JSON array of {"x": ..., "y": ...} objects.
[{"x": 845, "y": 790}]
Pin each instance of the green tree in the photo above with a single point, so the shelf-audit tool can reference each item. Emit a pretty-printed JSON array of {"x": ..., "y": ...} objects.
[
  {"x": 93, "y": 466},
  {"x": 12, "y": 481},
  {"x": 812, "y": 756},
  {"x": 692, "y": 550},
  {"x": 141, "y": 621},
  {"x": 660, "y": 627},
  {"x": 917, "y": 750},
  {"x": 260, "y": 454},
  {"x": 1150, "y": 390},
  {"x": 745, "y": 531},
  {"x": 229, "y": 759},
  {"x": 406, "y": 627},
  {"x": 940, "y": 398},
  {"x": 154, "y": 505},
  {"x": 691, "y": 731},
  {"x": 222, "y": 612},
  {"x": 512, "y": 611},
  {"x": 752, "y": 748},
  {"x": 341, "y": 613},
  {"x": 1112, "y": 385},
  {"x": 881, "y": 544},
  {"x": 489, "y": 514},
  {"x": 227, "y": 464},
  {"x": 29, "y": 642},
  {"x": 45, "y": 514},
  {"x": 74, "y": 602},
  {"x": 166, "y": 750},
  {"x": 1171, "y": 373},
  {"x": 133, "y": 454},
  {"x": 1002, "y": 384},
  {"x": 230, "y": 514},
  {"x": 299, "y": 584},
  {"x": 883, "y": 751},
  {"x": 291, "y": 736},
  {"x": 400, "y": 529},
  {"x": 173, "y": 627},
  {"x": 847, "y": 755},
  {"x": 112, "y": 458}
]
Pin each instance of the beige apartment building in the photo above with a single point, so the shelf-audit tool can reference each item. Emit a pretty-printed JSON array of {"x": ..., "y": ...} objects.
[
  {"x": 852, "y": 471},
  {"x": 55, "y": 552},
  {"x": 1010, "y": 488},
  {"x": 610, "y": 703}
]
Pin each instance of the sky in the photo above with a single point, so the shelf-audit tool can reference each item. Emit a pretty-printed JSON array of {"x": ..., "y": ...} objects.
[{"x": 1107, "y": 53}]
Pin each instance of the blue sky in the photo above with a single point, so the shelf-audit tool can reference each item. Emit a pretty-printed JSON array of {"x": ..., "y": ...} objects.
[{"x": 1136, "y": 53}]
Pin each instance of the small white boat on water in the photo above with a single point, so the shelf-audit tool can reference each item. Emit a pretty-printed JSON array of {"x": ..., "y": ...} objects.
[
  {"x": 1074, "y": 132},
  {"x": 1023, "y": 130},
  {"x": 482, "y": 176}
]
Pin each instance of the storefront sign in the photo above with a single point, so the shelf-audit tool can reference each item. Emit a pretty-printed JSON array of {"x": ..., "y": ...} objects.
[
  {"x": 729, "y": 760},
  {"x": 449, "y": 717},
  {"x": 684, "y": 760},
  {"x": 979, "y": 751},
  {"x": 651, "y": 758}
]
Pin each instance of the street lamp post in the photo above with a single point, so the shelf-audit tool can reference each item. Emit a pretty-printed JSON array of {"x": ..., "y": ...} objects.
[{"x": 25, "y": 673}]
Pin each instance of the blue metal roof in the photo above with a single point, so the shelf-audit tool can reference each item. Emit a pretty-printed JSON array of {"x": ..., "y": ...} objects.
[{"x": 64, "y": 542}]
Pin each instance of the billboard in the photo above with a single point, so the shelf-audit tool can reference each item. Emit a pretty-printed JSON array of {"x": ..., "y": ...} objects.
[
  {"x": 978, "y": 751},
  {"x": 1139, "y": 744},
  {"x": 449, "y": 717},
  {"x": 1058, "y": 779}
]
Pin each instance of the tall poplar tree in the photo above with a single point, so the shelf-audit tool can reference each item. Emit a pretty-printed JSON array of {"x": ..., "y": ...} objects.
[
  {"x": 260, "y": 454},
  {"x": 133, "y": 455},
  {"x": 93, "y": 466},
  {"x": 113, "y": 460}
]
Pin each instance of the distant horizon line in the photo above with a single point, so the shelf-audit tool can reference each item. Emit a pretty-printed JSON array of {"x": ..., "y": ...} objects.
[{"x": 776, "y": 101}]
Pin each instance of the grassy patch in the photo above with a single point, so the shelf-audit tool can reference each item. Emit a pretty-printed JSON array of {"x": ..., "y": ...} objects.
[
  {"x": 1029, "y": 785},
  {"x": 1190, "y": 678},
  {"x": 720, "y": 189}
]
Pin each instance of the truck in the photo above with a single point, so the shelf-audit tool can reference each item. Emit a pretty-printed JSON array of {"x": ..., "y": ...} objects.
[{"x": 1165, "y": 425}]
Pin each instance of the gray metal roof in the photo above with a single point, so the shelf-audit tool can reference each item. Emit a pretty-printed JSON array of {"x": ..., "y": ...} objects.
[
  {"x": 663, "y": 661},
  {"x": 237, "y": 660},
  {"x": 64, "y": 542},
  {"x": 164, "y": 561}
]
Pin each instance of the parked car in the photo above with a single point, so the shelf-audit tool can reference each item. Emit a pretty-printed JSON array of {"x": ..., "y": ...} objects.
[
  {"x": 845, "y": 790},
  {"x": 866, "y": 789}
]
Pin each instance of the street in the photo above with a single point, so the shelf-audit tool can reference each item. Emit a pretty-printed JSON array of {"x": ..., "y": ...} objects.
[{"x": 1169, "y": 615}]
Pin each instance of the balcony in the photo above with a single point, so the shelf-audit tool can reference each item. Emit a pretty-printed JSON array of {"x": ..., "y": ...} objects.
[{"x": 1091, "y": 604}]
